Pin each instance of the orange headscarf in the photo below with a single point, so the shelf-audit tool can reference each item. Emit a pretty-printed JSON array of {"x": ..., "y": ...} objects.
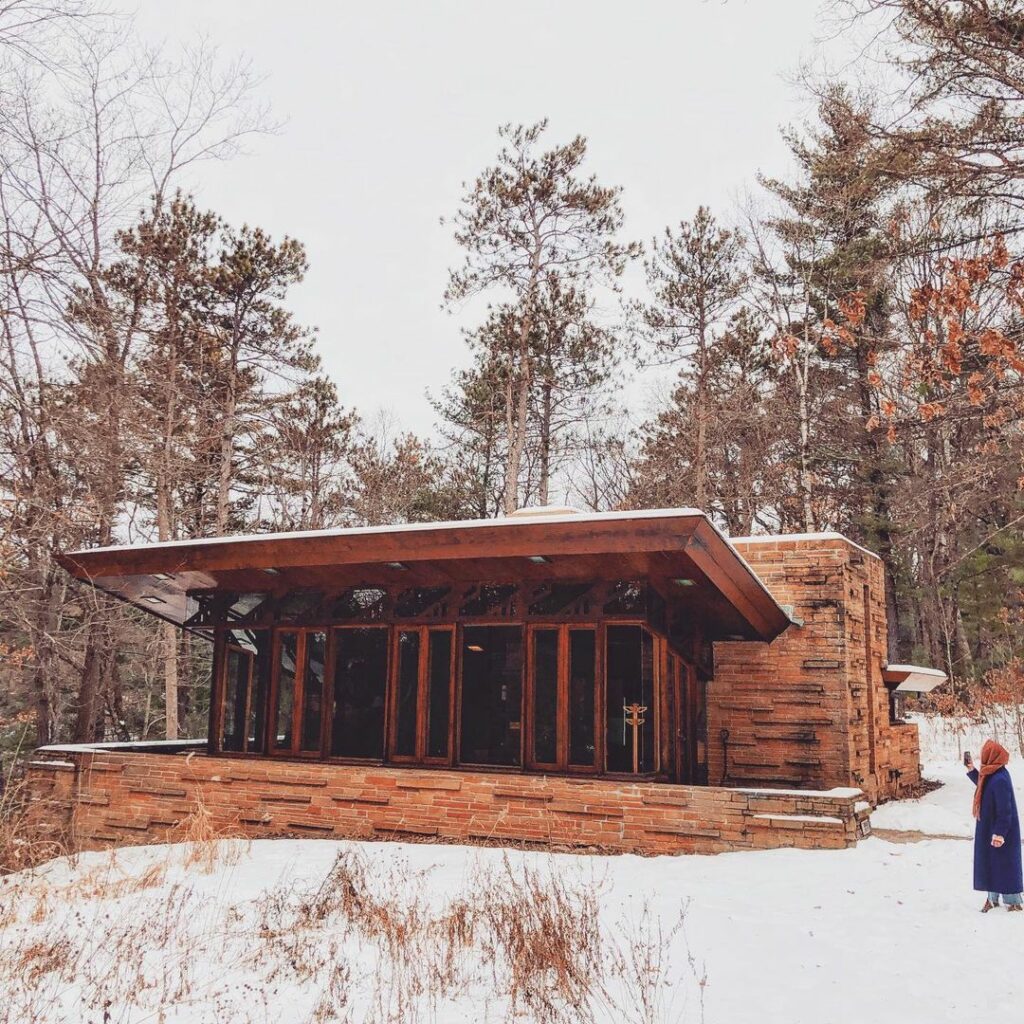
[{"x": 993, "y": 757}]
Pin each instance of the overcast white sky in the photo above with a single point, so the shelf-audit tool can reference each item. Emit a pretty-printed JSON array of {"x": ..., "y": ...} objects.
[{"x": 388, "y": 107}]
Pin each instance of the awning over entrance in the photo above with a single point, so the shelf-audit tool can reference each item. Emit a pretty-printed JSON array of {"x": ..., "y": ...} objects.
[{"x": 678, "y": 550}]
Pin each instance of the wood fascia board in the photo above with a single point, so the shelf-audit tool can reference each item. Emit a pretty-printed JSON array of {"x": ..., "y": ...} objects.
[
  {"x": 736, "y": 582},
  {"x": 517, "y": 541}
]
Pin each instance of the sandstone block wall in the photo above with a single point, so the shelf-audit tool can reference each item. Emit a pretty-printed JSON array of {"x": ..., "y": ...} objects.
[
  {"x": 105, "y": 798},
  {"x": 810, "y": 710}
]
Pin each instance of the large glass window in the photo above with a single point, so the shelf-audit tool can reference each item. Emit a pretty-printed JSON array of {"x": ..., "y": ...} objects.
[
  {"x": 630, "y": 694},
  {"x": 439, "y": 683},
  {"x": 582, "y": 679},
  {"x": 423, "y": 681},
  {"x": 246, "y": 684},
  {"x": 298, "y": 717},
  {"x": 408, "y": 693},
  {"x": 492, "y": 674},
  {"x": 360, "y": 681},
  {"x": 287, "y": 671},
  {"x": 562, "y": 697},
  {"x": 313, "y": 691},
  {"x": 545, "y": 696}
]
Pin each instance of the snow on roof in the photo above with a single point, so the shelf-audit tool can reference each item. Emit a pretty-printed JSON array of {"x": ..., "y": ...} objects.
[
  {"x": 519, "y": 518},
  {"x": 768, "y": 538},
  {"x": 544, "y": 515},
  {"x": 914, "y": 678}
]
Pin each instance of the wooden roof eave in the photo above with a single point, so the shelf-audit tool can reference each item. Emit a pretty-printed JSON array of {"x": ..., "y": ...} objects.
[{"x": 680, "y": 532}]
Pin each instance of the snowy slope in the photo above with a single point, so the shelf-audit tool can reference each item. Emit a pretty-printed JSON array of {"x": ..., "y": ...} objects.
[
  {"x": 886, "y": 932},
  {"x": 947, "y": 811}
]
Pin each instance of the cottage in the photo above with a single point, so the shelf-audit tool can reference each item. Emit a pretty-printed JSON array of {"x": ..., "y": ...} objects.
[{"x": 627, "y": 680}]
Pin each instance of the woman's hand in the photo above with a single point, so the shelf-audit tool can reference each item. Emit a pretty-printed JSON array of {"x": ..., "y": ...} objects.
[
  {"x": 969, "y": 764},
  {"x": 998, "y": 841}
]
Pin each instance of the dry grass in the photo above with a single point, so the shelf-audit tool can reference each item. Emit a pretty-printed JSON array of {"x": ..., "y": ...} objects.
[
  {"x": 128, "y": 935},
  {"x": 199, "y": 838},
  {"x": 25, "y": 841}
]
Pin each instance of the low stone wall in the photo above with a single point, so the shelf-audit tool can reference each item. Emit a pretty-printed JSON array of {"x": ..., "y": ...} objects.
[{"x": 104, "y": 797}]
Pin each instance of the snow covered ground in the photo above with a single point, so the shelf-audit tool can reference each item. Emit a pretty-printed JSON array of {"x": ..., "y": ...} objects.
[
  {"x": 887, "y": 932},
  {"x": 947, "y": 811}
]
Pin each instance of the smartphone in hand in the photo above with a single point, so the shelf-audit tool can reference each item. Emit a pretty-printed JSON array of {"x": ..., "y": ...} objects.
[{"x": 967, "y": 759}]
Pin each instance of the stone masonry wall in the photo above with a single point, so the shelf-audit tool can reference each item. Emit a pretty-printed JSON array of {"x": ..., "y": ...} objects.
[
  {"x": 810, "y": 709},
  {"x": 104, "y": 798}
]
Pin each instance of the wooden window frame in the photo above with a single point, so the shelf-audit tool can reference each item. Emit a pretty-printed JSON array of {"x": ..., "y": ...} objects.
[
  {"x": 563, "y": 724},
  {"x": 390, "y": 694},
  {"x": 455, "y": 744},
  {"x": 219, "y": 692},
  {"x": 422, "y": 695},
  {"x": 295, "y": 751},
  {"x": 659, "y": 646},
  {"x": 250, "y": 658}
]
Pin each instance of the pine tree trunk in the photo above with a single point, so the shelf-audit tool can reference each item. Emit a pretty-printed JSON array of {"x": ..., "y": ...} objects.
[
  {"x": 806, "y": 504},
  {"x": 700, "y": 451},
  {"x": 227, "y": 443},
  {"x": 544, "y": 485},
  {"x": 517, "y": 418}
]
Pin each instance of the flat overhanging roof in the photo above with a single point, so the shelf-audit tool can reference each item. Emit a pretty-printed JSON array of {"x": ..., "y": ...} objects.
[
  {"x": 663, "y": 545},
  {"x": 913, "y": 678}
]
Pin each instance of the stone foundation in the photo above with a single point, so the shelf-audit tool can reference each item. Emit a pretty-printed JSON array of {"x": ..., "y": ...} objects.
[{"x": 105, "y": 797}]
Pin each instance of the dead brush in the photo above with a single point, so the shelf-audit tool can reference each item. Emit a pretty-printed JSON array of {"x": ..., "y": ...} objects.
[
  {"x": 201, "y": 838},
  {"x": 25, "y": 841},
  {"x": 543, "y": 938},
  {"x": 647, "y": 981}
]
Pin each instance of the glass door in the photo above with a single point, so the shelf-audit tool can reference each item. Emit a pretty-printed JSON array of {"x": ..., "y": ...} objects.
[
  {"x": 421, "y": 718},
  {"x": 299, "y": 692},
  {"x": 562, "y": 698},
  {"x": 631, "y": 703}
]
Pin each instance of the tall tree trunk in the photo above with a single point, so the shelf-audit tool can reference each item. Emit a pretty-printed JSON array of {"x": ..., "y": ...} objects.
[
  {"x": 544, "y": 485},
  {"x": 806, "y": 486},
  {"x": 227, "y": 440},
  {"x": 700, "y": 445},
  {"x": 517, "y": 418}
]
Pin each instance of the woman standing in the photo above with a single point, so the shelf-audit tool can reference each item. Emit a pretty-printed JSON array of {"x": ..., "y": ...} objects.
[{"x": 997, "y": 860}]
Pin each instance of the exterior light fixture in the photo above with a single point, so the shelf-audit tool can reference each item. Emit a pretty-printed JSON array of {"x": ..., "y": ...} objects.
[
  {"x": 539, "y": 560},
  {"x": 400, "y": 566},
  {"x": 475, "y": 648},
  {"x": 685, "y": 583},
  {"x": 272, "y": 572},
  {"x": 153, "y": 599}
]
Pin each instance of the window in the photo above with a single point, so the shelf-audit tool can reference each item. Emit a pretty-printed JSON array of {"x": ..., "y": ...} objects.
[
  {"x": 422, "y": 602},
  {"x": 492, "y": 677},
  {"x": 366, "y": 604},
  {"x": 423, "y": 694},
  {"x": 545, "y": 696},
  {"x": 246, "y": 684},
  {"x": 298, "y": 715},
  {"x": 562, "y": 697},
  {"x": 287, "y": 668},
  {"x": 582, "y": 693},
  {"x": 360, "y": 680},
  {"x": 630, "y": 694},
  {"x": 440, "y": 666},
  {"x": 408, "y": 692},
  {"x": 313, "y": 692}
]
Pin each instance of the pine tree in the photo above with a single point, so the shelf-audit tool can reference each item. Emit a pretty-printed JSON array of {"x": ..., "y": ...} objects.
[
  {"x": 695, "y": 277},
  {"x": 528, "y": 225}
]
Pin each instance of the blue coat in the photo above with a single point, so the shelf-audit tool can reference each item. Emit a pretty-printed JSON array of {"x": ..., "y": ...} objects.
[{"x": 997, "y": 869}]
